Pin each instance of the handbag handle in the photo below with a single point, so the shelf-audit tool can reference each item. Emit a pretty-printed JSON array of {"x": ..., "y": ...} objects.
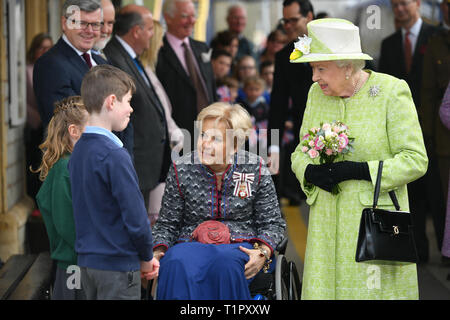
[{"x": 376, "y": 193}]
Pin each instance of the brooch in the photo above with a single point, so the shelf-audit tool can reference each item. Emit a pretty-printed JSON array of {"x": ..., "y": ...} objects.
[
  {"x": 374, "y": 91},
  {"x": 243, "y": 181}
]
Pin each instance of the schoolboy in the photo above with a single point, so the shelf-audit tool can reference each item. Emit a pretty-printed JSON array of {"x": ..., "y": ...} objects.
[{"x": 113, "y": 234}]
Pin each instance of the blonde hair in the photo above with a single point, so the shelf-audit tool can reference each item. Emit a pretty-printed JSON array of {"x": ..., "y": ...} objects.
[
  {"x": 233, "y": 115},
  {"x": 149, "y": 57},
  {"x": 68, "y": 111},
  {"x": 255, "y": 81}
]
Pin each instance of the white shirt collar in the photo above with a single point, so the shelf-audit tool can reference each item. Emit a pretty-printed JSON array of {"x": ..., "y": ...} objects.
[
  {"x": 71, "y": 45},
  {"x": 176, "y": 41},
  {"x": 104, "y": 132},
  {"x": 415, "y": 29},
  {"x": 127, "y": 47}
]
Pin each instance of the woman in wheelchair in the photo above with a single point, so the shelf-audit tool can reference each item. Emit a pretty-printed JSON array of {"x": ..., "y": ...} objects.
[{"x": 220, "y": 219}]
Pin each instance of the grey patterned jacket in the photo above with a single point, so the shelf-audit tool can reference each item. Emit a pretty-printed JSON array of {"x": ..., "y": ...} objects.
[{"x": 191, "y": 197}]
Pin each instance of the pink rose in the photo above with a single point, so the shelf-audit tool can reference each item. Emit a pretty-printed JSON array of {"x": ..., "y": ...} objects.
[
  {"x": 305, "y": 149},
  {"x": 329, "y": 152},
  {"x": 313, "y": 153},
  {"x": 343, "y": 140},
  {"x": 326, "y": 126},
  {"x": 318, "y": 144}
]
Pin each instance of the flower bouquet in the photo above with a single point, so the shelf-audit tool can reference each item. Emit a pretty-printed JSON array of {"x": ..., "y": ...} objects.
[{"x": 327, "y": 142}]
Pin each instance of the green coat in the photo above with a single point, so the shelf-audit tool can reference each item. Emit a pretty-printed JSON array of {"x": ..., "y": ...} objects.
[
  {"x": 54, "y": 200},
  {"x": 385, "y": 127}
]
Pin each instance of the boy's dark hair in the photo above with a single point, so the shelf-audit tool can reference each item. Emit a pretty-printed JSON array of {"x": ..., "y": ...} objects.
[
  {"x": 223, "y": 38},
  {"x": 230, "y": 82},
  {"x": 102, "y": 81},
  {"x": 218, "y": 53},
  {"x": 265, "y": 64},
  {"x": 305, "y": 6}
]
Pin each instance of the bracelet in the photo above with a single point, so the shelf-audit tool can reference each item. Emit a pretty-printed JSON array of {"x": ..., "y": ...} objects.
[{"x": 265, "y": 254}]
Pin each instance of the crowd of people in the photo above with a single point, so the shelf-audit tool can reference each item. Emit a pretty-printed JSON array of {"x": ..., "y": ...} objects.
[{"x": 125, "y": 185}]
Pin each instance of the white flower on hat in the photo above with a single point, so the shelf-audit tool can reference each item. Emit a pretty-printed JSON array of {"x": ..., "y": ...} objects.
[{"x": 301, "y": 47}]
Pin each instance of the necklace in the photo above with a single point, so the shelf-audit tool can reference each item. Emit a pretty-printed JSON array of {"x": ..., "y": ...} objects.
[{"x": 355, "y": 91}]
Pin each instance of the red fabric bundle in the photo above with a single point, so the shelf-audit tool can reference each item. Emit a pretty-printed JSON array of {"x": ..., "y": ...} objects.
[{"x": 212, "y": 232}]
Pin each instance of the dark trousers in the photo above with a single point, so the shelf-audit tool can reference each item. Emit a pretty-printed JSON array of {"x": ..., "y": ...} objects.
[
  {"x": 426, "y": 198},
  {"x": 286, "y": 182}
]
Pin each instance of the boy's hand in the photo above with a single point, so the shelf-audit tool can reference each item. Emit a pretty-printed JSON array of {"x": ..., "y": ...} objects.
[{"x": 150, "y": 269}]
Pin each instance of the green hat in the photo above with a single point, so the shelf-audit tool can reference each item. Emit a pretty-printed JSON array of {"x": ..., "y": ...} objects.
[{"x": 329, "y": 39}]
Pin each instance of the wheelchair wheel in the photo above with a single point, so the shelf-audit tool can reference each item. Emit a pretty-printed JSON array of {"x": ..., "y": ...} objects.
[
  {"x": 295, "y": 287},
  {"x": 282, "y": 281}
]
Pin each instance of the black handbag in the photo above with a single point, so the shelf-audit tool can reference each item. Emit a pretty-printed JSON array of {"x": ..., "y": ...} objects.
[{"x": 384, "y": 234}]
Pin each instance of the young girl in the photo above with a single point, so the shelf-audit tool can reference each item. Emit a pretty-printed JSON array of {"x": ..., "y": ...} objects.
[{"x": 54, "y": 197}]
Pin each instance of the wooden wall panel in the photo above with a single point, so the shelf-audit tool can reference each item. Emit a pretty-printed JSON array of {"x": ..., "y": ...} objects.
[{"x": 36, "y": 15}]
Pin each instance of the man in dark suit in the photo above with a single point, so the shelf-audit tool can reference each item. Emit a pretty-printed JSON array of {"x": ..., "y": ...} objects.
[
  {"x": 59, "y": 72},
  {"x": 394, "y": 58},
  {"x": 290, "y": 89},
  {"x": 402, "y": 56},
  {"x": 184, "y": 67},
  {"x": 133, "y": 30}
]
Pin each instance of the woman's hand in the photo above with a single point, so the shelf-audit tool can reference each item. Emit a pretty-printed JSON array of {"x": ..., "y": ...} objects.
[
  {"x": 158, "y": 253},
  {"x": 255, "y": 263}
]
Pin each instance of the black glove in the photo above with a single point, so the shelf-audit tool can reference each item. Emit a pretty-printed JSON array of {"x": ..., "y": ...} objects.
[{"x": 325, "y": 176}]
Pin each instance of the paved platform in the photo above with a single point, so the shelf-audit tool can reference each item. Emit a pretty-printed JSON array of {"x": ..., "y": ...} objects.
[{"x": 434, "y": 277}]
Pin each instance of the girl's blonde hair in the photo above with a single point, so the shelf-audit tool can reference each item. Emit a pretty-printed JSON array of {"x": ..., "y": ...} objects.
[
  {"x": 68, "y": 111},
  {"x": 149, "y": 57}
]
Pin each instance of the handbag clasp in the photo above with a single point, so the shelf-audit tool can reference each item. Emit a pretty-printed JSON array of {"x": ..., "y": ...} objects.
[{"x": 396, "y": 231}]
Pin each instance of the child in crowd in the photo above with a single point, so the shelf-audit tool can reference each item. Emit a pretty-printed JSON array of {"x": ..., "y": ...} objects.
[
  {"x": 54, "y": 198},
  {"x": 221, "y": 64},
  {"x": 246, "y": 68},
  {"x": 266, "y": 71},
  {"x": 256, "y": 105},
  {"x": 232, "y": 86},
  {"x": 113, "y": 233}
]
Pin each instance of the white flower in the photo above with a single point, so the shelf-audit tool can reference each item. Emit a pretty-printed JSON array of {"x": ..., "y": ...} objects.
[
  {"x": 303, "y": 44},
  {"x": 374, "y": 90}
]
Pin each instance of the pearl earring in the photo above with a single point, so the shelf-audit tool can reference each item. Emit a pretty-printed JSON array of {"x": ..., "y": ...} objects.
[{"x": 347, "y": 77}]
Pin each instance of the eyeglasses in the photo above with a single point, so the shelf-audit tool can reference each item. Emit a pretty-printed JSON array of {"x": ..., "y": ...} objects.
[
  {"x": 79, "y": 24},
  {"x": 289, "y": 20},
  {"x": 402, "y": 4}
]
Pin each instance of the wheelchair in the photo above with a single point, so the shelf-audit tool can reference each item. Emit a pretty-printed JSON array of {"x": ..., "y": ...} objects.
[{"x": 281, "y": 284}]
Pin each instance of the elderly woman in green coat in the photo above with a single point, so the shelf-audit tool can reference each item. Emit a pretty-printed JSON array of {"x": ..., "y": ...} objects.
[{"x": 380, "y": 114}]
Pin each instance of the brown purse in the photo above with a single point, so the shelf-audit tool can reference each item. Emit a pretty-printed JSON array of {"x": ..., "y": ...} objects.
[{"x": 212, "y": 232}]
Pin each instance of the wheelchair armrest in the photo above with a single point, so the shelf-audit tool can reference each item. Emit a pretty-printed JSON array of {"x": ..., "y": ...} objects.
[{"x": 281, "y": 247}]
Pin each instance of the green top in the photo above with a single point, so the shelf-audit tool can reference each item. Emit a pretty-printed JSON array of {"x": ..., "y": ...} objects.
[{"x": 55, "y": 203}]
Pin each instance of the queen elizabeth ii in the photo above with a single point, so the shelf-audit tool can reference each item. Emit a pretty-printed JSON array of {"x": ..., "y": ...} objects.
[
  {"x": 229, "y": 188},
  {"x": 381, "y": 117}
]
